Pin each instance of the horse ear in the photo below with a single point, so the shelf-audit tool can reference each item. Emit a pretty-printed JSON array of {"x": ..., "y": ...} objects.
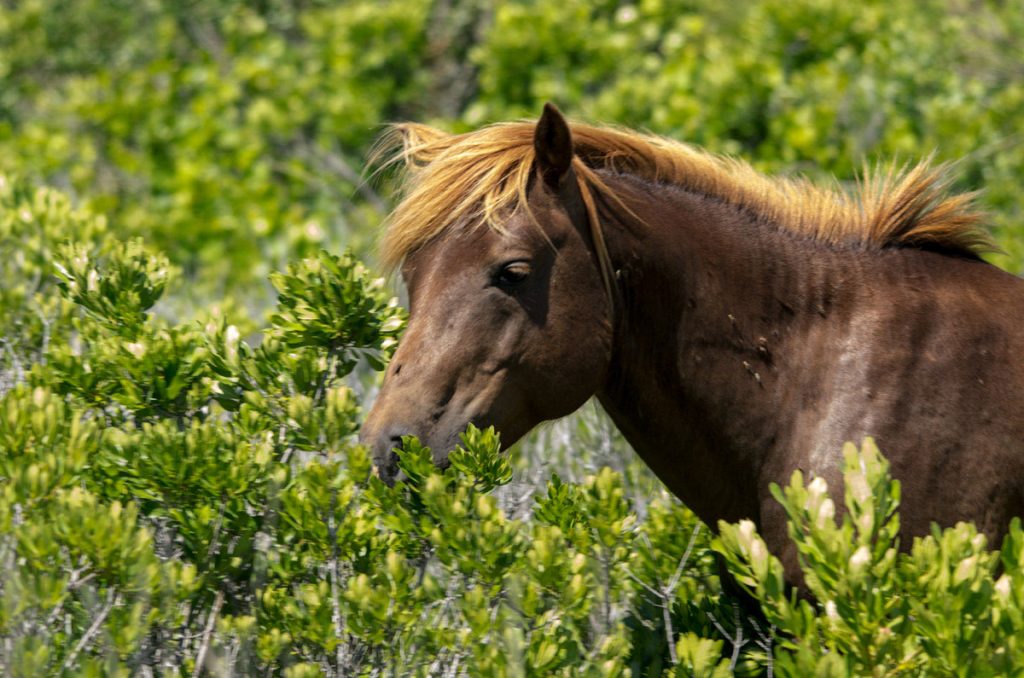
[{"x": 552, "y": 142}]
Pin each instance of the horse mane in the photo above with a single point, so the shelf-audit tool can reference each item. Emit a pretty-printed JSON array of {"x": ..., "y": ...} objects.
[{"x": 481, "y": 177}]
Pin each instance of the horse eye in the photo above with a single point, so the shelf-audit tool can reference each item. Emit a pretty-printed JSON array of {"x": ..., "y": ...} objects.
[{"x": 512, "y": 274}]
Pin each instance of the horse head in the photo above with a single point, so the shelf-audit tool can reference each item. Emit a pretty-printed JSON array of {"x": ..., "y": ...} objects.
[{"x": 510, "y": 313}]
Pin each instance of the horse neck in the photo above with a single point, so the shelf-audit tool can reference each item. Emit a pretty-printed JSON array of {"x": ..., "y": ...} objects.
[{"x": 714, "y": 339}]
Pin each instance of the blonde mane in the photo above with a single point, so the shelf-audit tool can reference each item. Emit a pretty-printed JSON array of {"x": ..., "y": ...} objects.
[{"x": 480, "y": 178}]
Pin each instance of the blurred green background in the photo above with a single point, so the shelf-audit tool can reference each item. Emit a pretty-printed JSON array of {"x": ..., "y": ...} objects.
[{"x": 233, "y": 135}]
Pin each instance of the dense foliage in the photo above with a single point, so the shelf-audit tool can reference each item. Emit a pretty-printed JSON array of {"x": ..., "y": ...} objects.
[
  {"x": 943, "y": 608},
  {"x": 232, "y": 134},
  {"x": 179, "y": 485},
  {"x": 171, "y": 496}
]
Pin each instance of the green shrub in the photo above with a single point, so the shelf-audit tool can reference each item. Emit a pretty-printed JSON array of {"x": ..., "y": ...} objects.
[
  {"x": 949, "y": 606},
  {"x": 33, "y": 225},
  {"x": 172, "y": 495}
]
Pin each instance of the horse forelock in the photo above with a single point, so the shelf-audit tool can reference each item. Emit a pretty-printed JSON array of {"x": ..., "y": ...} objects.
[{"x": 479, "y": 179}]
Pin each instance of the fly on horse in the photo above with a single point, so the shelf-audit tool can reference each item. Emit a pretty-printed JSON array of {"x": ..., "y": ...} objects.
[{"x": 734, "y": 326}]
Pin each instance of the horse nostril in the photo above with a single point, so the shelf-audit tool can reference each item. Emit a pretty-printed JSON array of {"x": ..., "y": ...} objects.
[
  {"x": 387, "y": 459},
  {"x": 387, "y": 468}
]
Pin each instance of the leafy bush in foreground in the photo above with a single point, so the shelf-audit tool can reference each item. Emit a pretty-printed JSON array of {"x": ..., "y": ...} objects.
[
  {"x": 948, "y": 607},
  {"x": 175, "y": 499}
]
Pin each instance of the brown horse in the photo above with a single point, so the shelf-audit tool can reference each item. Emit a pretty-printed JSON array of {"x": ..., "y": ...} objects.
[{"x": 735, "y": 327}]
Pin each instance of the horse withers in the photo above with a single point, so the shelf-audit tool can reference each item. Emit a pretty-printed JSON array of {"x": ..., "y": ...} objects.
[{"x": 734, "y": 326}]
